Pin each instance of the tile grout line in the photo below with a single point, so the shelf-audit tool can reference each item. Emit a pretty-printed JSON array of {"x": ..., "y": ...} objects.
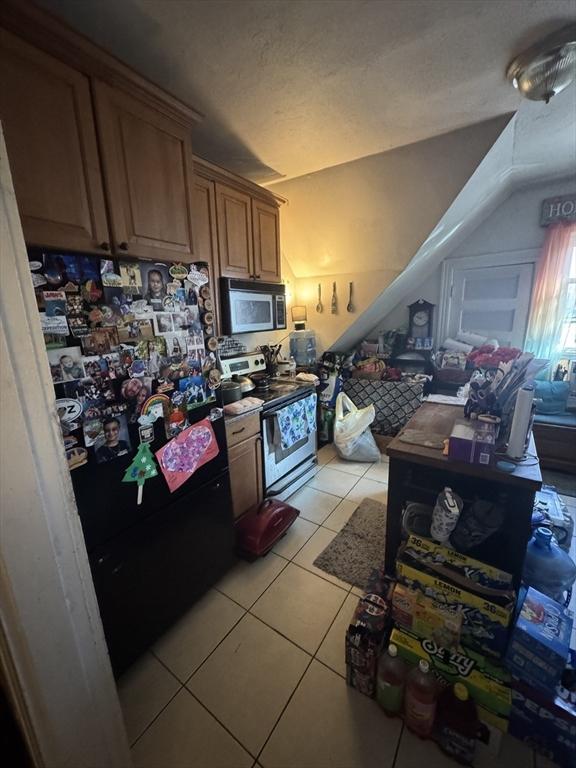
[
  {"x": 401, "y": 735},
  {"x": 284, "y": 709},
  {"x": 133, "y": 744},
  {"x": 312, "y": 655},
  {"x": 228, "y": 731}
]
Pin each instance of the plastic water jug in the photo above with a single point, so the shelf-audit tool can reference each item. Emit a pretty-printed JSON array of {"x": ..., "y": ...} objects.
[
  {"x": 303, "y": 347},
  {"x": 548, "y": 568}
]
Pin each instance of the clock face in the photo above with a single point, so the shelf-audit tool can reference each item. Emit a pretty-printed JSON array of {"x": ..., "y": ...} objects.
[{"x": 420, "y": 318}]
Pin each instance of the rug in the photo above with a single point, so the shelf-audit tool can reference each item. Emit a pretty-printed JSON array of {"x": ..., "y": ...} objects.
[
  {"x": 562, "y": 481},
  {"x": 359, "y": 547}
]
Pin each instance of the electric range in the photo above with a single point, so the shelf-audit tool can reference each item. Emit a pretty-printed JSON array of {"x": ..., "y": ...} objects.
[{"x": 285, "y": 470}]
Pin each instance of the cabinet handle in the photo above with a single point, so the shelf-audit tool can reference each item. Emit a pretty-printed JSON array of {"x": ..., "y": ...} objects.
[
  {"x": 256, "y": 277},
  {"x": 238, "y": 431},
  {"x": 105, "y": 246},
  {"x": 123, "y": 245}
]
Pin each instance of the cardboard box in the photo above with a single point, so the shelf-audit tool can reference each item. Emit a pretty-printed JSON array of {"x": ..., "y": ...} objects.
[
  {"x": 487, "y": 682},
  {"x": 434, "y": 558},
  {"x": 367, "y": 632},
  {"x": 547, "y": 724},
  {"x": 540, "y": 642},
  {"x": 472, "y": 441},
  {"x": 485, "y": 624},
  {"x": 424, "y": 617}
]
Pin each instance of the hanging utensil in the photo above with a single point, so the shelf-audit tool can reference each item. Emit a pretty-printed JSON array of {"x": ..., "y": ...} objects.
[
  {"x": 350, "y": 306},
  {"x": 334, "y": 305},
  {"x": 319, "y": 306}
]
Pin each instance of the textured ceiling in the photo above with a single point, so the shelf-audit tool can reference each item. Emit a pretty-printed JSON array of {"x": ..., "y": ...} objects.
[{"x": 289, "y": 87}]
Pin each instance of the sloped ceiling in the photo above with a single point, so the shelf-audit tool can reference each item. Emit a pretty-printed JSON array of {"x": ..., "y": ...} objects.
[
  {"x": 539, "y": 143},
  {"x": 288, "y": 88}
]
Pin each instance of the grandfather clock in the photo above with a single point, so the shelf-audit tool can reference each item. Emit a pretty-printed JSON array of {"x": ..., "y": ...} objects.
[{"x": 420, "y": 320}]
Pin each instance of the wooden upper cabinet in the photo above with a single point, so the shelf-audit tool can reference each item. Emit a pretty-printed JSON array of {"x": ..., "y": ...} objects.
[
  {"x": 148, "y": 172},
  {"x": 205, "y": 237},
  {"x": 46, "y": 114},
  {"x": 234, "y": 214},
  {"x": 265, "y": 223}
]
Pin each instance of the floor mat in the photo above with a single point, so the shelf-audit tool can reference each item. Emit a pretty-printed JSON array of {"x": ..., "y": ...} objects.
[{"x": 359, "y": 547}]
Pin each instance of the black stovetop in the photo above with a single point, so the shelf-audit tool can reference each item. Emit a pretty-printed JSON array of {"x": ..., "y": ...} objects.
[{"x": 281, "y": 392}]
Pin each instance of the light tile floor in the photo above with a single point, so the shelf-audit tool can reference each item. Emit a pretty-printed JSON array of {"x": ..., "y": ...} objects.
[{"x": 254, "y": 674}]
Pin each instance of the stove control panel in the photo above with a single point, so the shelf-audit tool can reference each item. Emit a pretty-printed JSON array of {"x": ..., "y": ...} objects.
[{"x": 242, "y": 364}]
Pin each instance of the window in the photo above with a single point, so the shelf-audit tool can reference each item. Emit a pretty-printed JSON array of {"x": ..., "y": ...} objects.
[{"x": 569, "y": 325}]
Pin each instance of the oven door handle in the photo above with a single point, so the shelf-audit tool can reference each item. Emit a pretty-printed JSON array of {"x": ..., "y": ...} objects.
[
  {"x": 271, "y": 414},
  {"x": 285, "y": 487}
]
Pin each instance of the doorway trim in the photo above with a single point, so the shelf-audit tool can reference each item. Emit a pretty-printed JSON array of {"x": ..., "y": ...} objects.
[{"x": 52, "y": 646}]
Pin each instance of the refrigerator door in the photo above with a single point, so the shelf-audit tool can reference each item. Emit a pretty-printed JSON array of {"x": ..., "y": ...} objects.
[
  {"x": 108, "y": 507},
  {"x": 148, "y": 577}
]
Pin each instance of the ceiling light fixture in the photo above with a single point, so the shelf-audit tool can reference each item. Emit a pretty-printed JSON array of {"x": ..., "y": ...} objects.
[{"x": 546, "y": 68}]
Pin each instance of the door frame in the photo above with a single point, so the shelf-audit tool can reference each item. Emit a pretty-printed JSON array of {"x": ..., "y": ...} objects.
[
  {"x": 52, "y": 649},
  {"x": 503, "y": 259}
]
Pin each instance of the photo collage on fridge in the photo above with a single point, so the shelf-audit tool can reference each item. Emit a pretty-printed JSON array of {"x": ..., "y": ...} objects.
[{"x": 128, "y": 344}]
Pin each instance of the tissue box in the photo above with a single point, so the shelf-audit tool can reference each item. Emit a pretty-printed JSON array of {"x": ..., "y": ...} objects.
[
  {"x": 485, "y": 623},
  {"x": 540, "y": 642},
  {"x": 472, "y": 441},
  {"x": 547, "y": 724}
]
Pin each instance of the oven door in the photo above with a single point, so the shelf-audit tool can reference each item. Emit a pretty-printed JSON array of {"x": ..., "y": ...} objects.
[
  {"x": 285, "y": 470},
  {"x": 251, "y": 311}
]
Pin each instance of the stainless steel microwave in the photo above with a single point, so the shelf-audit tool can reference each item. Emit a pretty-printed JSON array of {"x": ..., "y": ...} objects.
[{"x": 249, "y": 306}]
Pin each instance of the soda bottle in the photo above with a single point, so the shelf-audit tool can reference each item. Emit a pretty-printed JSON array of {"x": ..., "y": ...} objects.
[
  {"x": 391, "y": 679},
  {"x": 457, "y": 723},
  {"x": 420, "y": 700}
]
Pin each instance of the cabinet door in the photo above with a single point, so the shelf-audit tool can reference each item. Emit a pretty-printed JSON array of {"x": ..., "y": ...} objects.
[
  {"x": 265, "y": 222},
  {"x": 234, "y": 232},
  {"x": 206, "y": 236},
  {"x": 147, "y": 159},
  {"x": 245, "y": 465},
  {"x": 47, "y": 118}
]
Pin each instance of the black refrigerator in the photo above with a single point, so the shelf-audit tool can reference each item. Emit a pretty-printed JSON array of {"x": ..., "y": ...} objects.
[{"x": 131, "y": 352}]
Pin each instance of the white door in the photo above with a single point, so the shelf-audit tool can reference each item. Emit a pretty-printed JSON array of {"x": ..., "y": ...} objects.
[{"x": 491, "y": 301}]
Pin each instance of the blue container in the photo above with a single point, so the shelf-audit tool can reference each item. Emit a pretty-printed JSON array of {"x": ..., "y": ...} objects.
[
  {"x": 548, "y": 568},
  {"x": 303, "y": 347}
]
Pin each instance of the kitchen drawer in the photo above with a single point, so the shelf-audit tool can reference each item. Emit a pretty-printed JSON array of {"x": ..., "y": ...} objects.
[{"x": 242, "y": 428}]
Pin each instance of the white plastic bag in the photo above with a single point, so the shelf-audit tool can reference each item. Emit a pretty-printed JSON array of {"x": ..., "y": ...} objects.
[{"x": 352, "y": 436}]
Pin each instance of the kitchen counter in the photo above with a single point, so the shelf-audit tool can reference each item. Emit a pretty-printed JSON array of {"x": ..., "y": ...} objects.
[{"x": 230, "y": 419}]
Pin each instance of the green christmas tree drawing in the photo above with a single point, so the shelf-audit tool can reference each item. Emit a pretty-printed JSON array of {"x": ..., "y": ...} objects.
[{"x": 142, "y": 468}]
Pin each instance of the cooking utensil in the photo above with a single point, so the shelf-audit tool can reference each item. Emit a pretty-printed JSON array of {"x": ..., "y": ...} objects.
[
  {"x": 262, "y": 381},
  {"x": 246, "y": 383},
  {"x": 350, "y": 306},
  {"x": 231, "y": 392},
  {"x": 319, "y": 306},
  {"x": 334, "y": 304}
]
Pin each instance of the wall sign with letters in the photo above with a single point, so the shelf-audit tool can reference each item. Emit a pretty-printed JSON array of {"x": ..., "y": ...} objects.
[{"x": 562, "y": 208}]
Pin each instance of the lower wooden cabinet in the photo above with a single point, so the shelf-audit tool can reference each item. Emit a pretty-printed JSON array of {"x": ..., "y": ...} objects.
[{"x": 245, "y": 464}]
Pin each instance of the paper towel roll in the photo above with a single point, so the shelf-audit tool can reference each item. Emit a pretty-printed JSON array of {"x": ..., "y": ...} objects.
[{"x": 520, "y": 422}]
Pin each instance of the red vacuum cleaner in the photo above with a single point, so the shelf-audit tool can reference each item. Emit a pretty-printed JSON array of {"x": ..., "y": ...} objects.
[{"x": 262, "y": 526}]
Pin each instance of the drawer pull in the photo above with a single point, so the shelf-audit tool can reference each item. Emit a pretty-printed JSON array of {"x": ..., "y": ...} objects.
[
  {"x": 238, "y": 431},
  {"x": 123, "y": 246},
  {"x": 105, "y": 246}
]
